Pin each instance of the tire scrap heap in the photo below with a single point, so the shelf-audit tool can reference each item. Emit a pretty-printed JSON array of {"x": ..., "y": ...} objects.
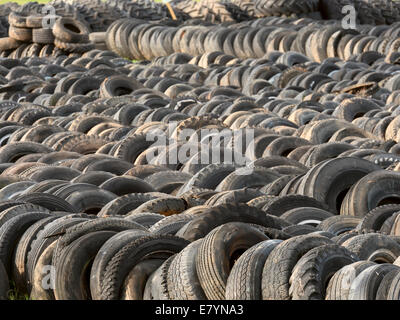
[{"x": 308, "y": 208}]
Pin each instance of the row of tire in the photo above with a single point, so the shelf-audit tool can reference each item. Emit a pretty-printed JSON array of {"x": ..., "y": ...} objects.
[{"x": 139, "y": 39}]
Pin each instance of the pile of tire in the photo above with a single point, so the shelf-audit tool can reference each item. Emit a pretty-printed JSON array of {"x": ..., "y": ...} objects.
[
  {"x": 68, "y": 34},
  {"x": 82, "y": 185},
  {"x": 236, "y": 160}
]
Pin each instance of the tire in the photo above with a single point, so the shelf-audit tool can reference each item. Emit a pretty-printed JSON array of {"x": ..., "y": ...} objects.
[
  {"x": 339, "y": 224},
  {"x": 135, "y": 283},
  {"x": 167, "y": 181},
  {"x": 79, "y": 230},
  {"x": 71, "y": 30},
  {"x": 21, "y": 253},
  {"x": 330, "y": 181},
  {"x": 20, "y": 34},
  {"x": 12, "y": 231},
  {"x": 126, "y": 185},
  {"x": 48, "y": 201},
  {"x": 93, "y": 177},
  {"x": 12, "y": 152},
  {"x": 9, "y": 43},
  {"x": 218, "y": 252},
  {"x": 208, "y": 177},
  {"x": 281, "y": 262},
  {"x": 365, "y": 285},
  {"x": 165, "y": 206},
  {"x": 256, "y": 177},
  {"x": 182, "y": 279},
  {"x": 131, "y": 254},
  {"x": 339, "y": 285},
  {"x": 17, "y": 210},
  {"x": 374, "y": 247},
  {"x": 297, "y": 230},
  {"x": 375, "y": 219},
  {"x": 384, "y": 287},
  {"x": 106, "y": 253},
  {"x": 394, "y": 290},
  {"x": 59, "y": 173},
  {"x": 312, "y": 272},
  {"x": 375, "y": 189},
  {"x": 118, "y": 85},
  {"x": 4, "y": 283},
  {"x": 43, "y": 36},
  {"x": 306, "y": 216},
  {"x": 90, "y": 201},
  {"x": 114, "y": 166},
  {"x": 280, "y": 205},
  {"x": 156, "y": 287},
  {"x": 243, "y": 281},
  {"x": 74, "y": 263},
  {"x": 44, "y": 238},
  {"x": 40, "y": 275},
  {"x": 213, "y": 217},
  {"x": 146, "y": 219},
  {"x": 124, "y": 204},
  {"x": 14, "y": 189},
  {"x": 171, "y": 224},
  {"x": 73, "y": 47}
]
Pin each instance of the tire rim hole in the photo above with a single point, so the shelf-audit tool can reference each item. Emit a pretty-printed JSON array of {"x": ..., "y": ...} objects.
[
  {"x": 236, "y": 255},
  {"x": 389, "y": 200},
  {"x": 340, "y": 197},
  {"x": 72, "y": 28}
]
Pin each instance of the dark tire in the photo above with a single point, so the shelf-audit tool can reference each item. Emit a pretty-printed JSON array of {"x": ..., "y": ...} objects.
[
  {"x": 135, "y": 283},
  {"x": 211, "y": 218},
  {"x": 74, "y": 262},
  {"x": 12, "y": 231},
  {"x": 183, "y": 282},
  {"x": 43, "y": 279},
  {"x": 375, "y": 219},
  {"x": 329, "y": 181},
  {"x": 156, "y": 287},
  {"x": 106, "y": 253},
  {"x": 79, "y": 230},
  {"x": 93, "y": 177},
  {"x": 118, "y": 85},
  {"x": 306, "y": 215},
  {"x": 12, "y": 152},
  {"x": 312, "y": 272},
  {"x": 243, "y": 281},
  {"x": 339, "y": 224},
  {"x": 126, "y": 185},
  {"x": 71, "y": 30},
  {"x": 131, "y": 254},
  {"x": 49, "y": 201},
  {"x": 375, "y": 189},
  {"x": 374, "y": 247},
  {"x": 217, "y": 253},
  {"x": 280, "y": 205},
  {"x": 90, "y": 201},
  {"x": 281, "y": 262}
]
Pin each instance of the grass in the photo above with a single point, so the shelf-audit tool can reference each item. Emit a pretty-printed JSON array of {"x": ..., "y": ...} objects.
[
  {"x": 23, "y": 1},
  {"x": 13, "y": 294}
]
